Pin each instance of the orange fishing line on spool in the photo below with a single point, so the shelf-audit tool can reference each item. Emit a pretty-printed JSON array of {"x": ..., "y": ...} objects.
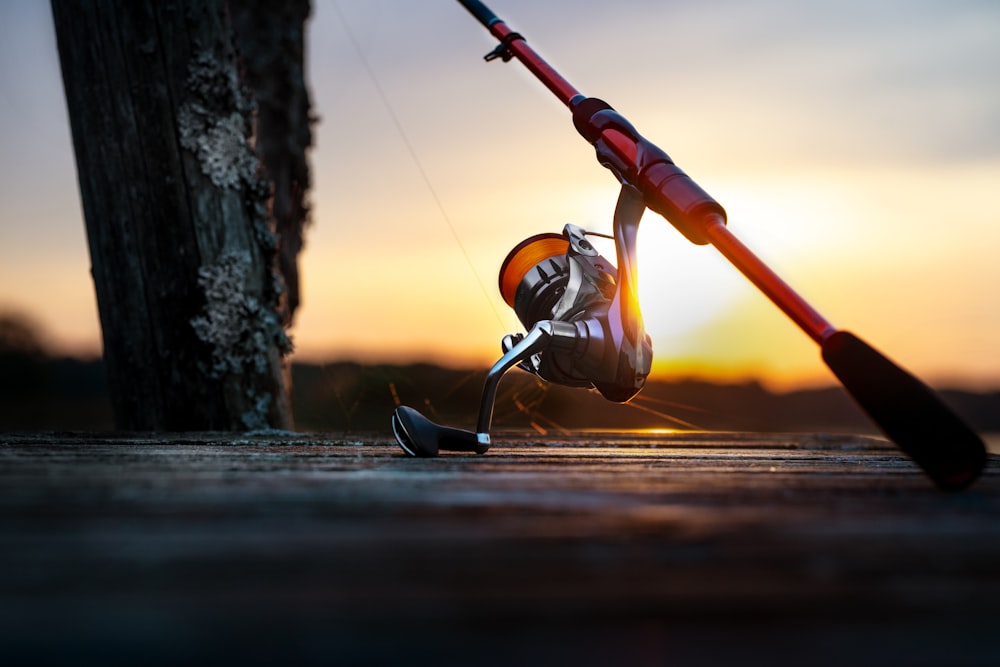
[{"x": 524, "y": 257}]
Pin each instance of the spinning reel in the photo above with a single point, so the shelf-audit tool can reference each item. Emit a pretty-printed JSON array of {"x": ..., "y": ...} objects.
[{"x": 584, "y": 326}]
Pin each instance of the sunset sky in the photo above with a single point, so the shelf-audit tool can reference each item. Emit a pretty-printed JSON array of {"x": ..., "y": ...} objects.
[{"x": 854, "y": 144}]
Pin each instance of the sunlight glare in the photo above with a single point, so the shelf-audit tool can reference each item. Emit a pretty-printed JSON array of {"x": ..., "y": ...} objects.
[{"x": 681, "y": 286}]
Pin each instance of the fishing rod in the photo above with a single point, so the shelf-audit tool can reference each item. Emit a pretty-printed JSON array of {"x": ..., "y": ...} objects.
[{"x": 585, "y": 328}]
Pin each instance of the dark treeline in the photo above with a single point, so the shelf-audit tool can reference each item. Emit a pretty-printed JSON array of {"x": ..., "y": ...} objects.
[
  {"x": 350, "y": 396},
  {"x": 38, "y": 392}
]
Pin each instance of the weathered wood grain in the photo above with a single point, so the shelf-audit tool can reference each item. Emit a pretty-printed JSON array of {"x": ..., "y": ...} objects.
[{"x": 697, "y": 548}]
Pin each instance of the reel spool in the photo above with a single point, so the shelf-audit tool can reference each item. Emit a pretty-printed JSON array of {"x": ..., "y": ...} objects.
[{"x": 529, "y": 256}]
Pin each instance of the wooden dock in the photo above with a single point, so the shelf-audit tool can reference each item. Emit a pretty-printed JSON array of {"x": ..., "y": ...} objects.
[{"x": 598, "y": 549}]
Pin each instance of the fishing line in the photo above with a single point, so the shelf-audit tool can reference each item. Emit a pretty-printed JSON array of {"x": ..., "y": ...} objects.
[
  {"x": 416, "y": 160},
  {"x": 637, "y": 405}
]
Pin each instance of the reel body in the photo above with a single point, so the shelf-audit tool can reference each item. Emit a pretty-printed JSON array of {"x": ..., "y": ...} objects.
[
  {"x": 579, "y": 287},
  {"x": 584, "y": 326}
]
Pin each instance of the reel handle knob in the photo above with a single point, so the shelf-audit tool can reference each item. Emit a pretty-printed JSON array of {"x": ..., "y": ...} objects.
[{"x": 420, "y": 437}]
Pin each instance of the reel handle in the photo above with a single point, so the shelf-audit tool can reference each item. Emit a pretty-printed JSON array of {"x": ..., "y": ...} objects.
[{"x": 419, "y": 436}]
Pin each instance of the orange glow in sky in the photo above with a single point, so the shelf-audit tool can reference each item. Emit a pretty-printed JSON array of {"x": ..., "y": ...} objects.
[{"x": 856, "y": 149}]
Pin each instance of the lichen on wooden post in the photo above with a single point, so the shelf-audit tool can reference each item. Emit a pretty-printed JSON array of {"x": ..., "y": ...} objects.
[{"x": 212, "y": 122}]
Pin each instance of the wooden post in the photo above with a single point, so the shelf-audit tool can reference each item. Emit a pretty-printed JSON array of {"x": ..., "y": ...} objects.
[{"x": 177, "y": 213}]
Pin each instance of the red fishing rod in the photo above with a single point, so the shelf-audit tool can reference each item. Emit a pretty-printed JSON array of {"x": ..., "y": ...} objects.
[{"x": 910, "y": 413}]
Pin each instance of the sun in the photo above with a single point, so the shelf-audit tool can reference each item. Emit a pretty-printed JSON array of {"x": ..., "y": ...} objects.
[{"x": 682, "y": 287}]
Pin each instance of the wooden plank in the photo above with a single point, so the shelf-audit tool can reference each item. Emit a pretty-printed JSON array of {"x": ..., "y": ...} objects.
[{"x": 688, "y": 548}]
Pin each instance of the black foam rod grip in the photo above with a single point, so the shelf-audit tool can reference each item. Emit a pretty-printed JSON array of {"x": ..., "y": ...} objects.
[{"x": 909, "y": 412}]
